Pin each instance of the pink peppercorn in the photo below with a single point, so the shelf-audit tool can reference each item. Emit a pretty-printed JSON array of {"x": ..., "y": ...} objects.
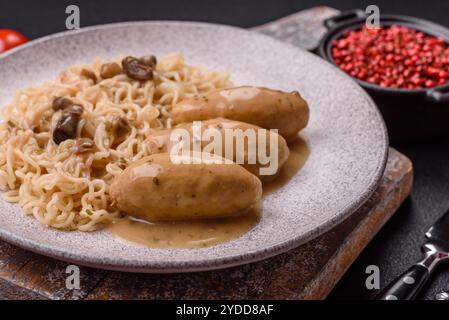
[{"x": 393, "y": 56}]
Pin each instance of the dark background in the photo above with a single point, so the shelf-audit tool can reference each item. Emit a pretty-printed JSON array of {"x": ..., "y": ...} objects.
[{"x": 398, "y": 244}]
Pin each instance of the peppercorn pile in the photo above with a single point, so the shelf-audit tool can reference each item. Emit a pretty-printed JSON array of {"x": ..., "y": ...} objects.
[{"x": 394, "y": 56}]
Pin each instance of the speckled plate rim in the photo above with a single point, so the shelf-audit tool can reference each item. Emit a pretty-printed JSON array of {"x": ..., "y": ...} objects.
[{"x": 208, "y": 263}]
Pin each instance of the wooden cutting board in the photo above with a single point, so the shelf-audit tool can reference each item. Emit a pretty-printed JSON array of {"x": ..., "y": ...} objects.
[{"x": 307, "y": 272}]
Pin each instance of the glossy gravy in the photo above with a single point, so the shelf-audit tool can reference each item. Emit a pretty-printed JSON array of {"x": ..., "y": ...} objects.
[
  {"x": 299, "y": 152},
  {"x": 206, "y": 233},
  {"x": 184, "y": 234}
]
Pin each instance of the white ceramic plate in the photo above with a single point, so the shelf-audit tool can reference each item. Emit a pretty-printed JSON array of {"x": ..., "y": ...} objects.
[{"x": 346, "y": 136}]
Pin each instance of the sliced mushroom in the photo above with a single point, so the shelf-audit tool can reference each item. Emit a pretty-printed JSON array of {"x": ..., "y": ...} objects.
[
  {"x": 60, "y": 103},
  {"x": 65, "y": 128},
  {"x": 149, "y": 60},
  {"x": 89, "y": 75},
  {"x": 67, "y": 125},
  {"x": 136, "y": 69},
  {"x": 110, "y": 70}
]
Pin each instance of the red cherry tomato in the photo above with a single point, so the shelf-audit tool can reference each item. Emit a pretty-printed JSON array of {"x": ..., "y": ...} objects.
[{"x": 10, "y": 39}]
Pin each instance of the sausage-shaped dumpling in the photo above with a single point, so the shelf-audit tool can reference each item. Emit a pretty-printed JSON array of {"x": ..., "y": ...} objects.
[
  {"x": 157, "y": 189},
  {"x": 160, "y": 142},
  {"x": 270, "y": 109}
]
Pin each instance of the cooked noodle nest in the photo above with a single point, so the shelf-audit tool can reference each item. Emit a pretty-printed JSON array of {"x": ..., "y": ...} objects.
[{"x": 66, "y": 189}]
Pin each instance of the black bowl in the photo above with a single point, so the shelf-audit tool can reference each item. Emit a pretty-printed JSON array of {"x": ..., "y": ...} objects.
[{"x": 411, "y": 115}]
